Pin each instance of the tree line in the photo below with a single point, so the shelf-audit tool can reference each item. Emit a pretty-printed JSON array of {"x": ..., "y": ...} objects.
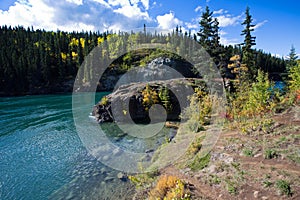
[{"x": 39, "y": 61}]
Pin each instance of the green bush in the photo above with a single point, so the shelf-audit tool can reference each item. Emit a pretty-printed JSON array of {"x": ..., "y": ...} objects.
[
  {"x": 199, "y": 112},
  {"x": 164, "y": 95},
  {"x": 294, "y": 84},
  {"x": 284, "y": 187},
  {"x": 294, "y": 75},
  {"x": 253, "y": 100},
  {"x": 250, "y": 106},
  {"x": 270, "y": 153}
]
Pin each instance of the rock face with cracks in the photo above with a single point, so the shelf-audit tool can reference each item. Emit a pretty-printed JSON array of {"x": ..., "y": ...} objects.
[{"x": 127, "y": 102}]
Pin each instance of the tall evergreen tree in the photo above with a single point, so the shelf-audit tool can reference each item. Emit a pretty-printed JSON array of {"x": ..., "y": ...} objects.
[
  {"x": 209, "y": 36},
  {"x": 292, "y": 58},
  {"x": 217, "y": 51},
  {"x": 215, "y": 34},
  {"x": 249, "y": 41},
  {"x": 206, "y": 29}
]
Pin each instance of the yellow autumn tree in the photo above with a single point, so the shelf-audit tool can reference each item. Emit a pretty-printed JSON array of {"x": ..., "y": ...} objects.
[
  {"x": 240, "y": 70},
  {"x": 150, "y": 97}
]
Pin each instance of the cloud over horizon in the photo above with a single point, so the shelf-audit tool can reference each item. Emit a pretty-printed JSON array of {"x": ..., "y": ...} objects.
[
  {"x": 77, "y": 15},
  {"x": 168, "y": 21}
]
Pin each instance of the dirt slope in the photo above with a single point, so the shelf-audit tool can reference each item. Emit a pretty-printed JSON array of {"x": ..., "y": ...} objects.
[{"x": 250, "y": 166}]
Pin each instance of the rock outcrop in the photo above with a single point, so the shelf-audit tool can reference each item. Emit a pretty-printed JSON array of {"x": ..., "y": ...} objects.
[{"x": 128, "y": 101}]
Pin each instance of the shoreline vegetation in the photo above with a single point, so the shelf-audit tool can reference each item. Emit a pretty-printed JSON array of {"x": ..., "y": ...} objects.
[{"x": 257, "y": 154}]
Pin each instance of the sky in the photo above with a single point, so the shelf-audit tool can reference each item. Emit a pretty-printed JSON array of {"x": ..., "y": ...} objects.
[{"x": 277, "y": 21}]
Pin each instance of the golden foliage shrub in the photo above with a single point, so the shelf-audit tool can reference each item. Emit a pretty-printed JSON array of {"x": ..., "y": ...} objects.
[
  {"x": 150, "y": 97},
  {"x": 169, "y": 188}
]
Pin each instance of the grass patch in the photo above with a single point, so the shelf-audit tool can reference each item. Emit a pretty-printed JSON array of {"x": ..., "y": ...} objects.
[
  {"x": 284, "y": 187},
  {"x": 248, "y": 152},
  {"x": 144, "y": 179},
  {"x": 231, "y": 187},
  {"x": 294, "y": 157},
  {"x": 195, "y": 146},
  {"x": 200, "y": 163},
  {"x": 236, "y": 165},
  {"x": 214, "y": 180},
  {"x": 267, "y": 183},
  {"x": 270, "y": 153}
]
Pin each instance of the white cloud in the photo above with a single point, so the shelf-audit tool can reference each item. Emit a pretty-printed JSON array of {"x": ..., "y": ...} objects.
[
  {"x": 77, "y": 15},
  {"x": 191, "y": 26},
  {"x": 226, "y": 41},
  {"x": 28, "y": 13},
  {"x": 199, "y": 8},
  {"x": 228, "y": 20},
  {"x": 145, "y": 4},
  {"x": 168, "y": 21},
  {"x": 77, "y": 2},
  {"x": 132, "y": 11},
  {"x": 260, "y": 24},
  {"x": 277, "y": 55},
  {"x": 131, "y": 8},
  {"x": 221, "y": 32},
  {"x": 102, "y": 2},
  {"x": 219, "y": 12},
  {"x": 118, "y": 2}
]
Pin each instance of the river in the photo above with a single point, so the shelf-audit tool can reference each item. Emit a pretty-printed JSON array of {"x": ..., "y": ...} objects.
[{"x": 42, "y": 156}]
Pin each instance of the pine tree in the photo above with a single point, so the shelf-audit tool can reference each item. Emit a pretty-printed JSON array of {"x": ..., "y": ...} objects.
[
  {"x": 217, "y": 52},
  {"x": 292, "y": 58},
  {"x": 249, "y": 41},
  {"x": 209, "y": 36},
  {"x": 215, "y": 34},
  {"x": 206, "y": 29}
]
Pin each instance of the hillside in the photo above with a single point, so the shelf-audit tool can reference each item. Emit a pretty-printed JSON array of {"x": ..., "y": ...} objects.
[{"x": 257, "y": 165}]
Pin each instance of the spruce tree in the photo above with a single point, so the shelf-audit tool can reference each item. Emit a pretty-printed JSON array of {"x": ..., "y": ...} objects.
[
  {"x": 206, "y": 29},
  {"x": 292, "y": 58},
  {"x": 209, "y": 37},
  {"x": 215, "y": 34},
  {"x": 217, "y": 52},
  {"x": 249, "y": 41}
]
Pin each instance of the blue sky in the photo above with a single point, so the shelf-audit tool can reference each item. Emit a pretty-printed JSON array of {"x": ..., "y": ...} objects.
[{"x": 276, "y": 31}]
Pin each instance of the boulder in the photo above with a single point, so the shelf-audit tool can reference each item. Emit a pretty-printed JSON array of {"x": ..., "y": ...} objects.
[{"x": 122, "y": 176}]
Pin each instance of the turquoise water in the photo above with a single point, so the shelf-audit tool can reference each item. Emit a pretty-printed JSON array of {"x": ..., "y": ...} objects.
[{"x": 42, "y": 157}]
